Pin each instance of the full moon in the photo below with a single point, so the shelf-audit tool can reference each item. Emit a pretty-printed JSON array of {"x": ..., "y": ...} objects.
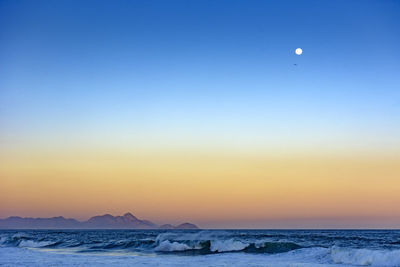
[{"x": 299, "y": 51}]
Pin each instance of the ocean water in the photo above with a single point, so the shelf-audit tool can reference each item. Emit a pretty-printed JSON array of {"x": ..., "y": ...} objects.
[{"x": 200, "y": 247}]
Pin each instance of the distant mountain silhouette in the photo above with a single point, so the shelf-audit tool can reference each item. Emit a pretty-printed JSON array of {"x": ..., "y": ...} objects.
[
  {"x": 167, "y": 226},
  {"x": 186, "y": 226},
  {"x": 107, "y": 221},
  {"x": 38, "y": 223},
  {"x": 124, "y": 222}
]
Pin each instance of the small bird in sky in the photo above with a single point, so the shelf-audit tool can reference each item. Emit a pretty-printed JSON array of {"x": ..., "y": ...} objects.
[{"x": 298, "y": 52}]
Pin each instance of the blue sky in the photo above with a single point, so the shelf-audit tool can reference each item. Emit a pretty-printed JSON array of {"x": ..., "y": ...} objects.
[
  {"x": 195, "y": 111},
  {"x": 200, "y": 72}
]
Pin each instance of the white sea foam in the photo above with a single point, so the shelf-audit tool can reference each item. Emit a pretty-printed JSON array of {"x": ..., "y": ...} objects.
[
  {"x": 226, "y": 250},
  {"x": 26, "y": 257},
  {"x": 310, "y": 257},
  {"x": 34, "y": 244},
  {"x": 227, "y": 245},
  {"x": 198, "y": 236},
  {"x": 365, "y": 257},
  {"x": 173, "y": 242},
  {"x": 168, "y": 246}
]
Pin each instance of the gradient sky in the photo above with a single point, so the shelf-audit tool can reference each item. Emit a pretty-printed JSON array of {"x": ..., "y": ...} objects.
[{"x": 194, "y": 111}]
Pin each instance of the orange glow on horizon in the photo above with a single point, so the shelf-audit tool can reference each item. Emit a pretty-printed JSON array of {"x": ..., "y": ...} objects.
[{"x": 202, "y": 187}]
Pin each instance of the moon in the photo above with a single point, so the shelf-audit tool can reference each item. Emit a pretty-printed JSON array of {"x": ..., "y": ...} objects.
[{"x": 299, "y": 51}]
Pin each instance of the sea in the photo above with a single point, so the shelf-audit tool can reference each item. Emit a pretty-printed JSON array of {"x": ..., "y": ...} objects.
[{"x": 200, "y": 248}]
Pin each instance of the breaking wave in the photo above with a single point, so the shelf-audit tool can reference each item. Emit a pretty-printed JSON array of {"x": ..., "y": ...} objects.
[
  {"x": 23, "y": 241},
  {"x": 321, "y": 248},
  {"x": 220, "y": 246},
  {"x": 206, "y": 242},
  {"x": 34, "y": 244},
  {"x": 365, "y": 257},
  {"x": 171, "y": 246},
  {"x": 197, "y": 243}
]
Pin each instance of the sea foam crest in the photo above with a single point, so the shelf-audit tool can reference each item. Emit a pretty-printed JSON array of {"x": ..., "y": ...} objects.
[
  {"x": 227, "y": 245},
  {"x": 212, "y": 240},
  {"x": 168, "y": 246},
  {"x": 365, "y": 257},
  {"x": 198, "y": 236},
  {"x": 33, "y": 244},
  {"x": 205, "y": 242}
]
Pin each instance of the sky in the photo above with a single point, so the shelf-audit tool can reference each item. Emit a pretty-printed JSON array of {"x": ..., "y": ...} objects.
[{"x": 201, "y": 111}]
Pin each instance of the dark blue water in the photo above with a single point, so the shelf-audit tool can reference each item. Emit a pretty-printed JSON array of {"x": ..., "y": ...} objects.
[{"x": 352, "y": 247}]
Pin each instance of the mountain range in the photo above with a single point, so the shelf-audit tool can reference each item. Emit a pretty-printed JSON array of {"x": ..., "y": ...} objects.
[{"x": 107, "y": 221}]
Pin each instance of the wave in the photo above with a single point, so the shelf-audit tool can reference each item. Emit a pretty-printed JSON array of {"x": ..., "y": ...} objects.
[
  {"x": 206, "y": 243},
  {"x": 286, "y": 249},
  {"x": 209, "y": 242},
  {"x": 124, "y": 244},
  {"x": 167, "y": 246},
  {"x": 199, "y": 243},
  {"x": 227, "y": 245},
  {"x": 365, "y": 257},
  {"x": 34, "y": 244},
  {"x": 222, "y": 246}
]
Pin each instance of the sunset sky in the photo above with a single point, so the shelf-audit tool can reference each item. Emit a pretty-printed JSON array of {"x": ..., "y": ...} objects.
[{"x": 194, "y": 111}]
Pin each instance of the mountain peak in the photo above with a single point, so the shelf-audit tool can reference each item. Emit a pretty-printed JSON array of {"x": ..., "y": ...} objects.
[{"x": 130, "y": 216}]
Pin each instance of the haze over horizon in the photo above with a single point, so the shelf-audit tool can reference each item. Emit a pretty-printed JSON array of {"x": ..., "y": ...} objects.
[{"x": 194, "y": 111}]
